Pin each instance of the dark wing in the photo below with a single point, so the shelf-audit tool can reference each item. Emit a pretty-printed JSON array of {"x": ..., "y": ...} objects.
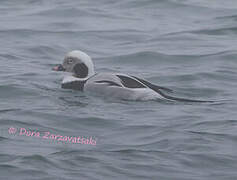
[
  {"x": 130, "y": 82},
  {"x": 153, "y": 86}
]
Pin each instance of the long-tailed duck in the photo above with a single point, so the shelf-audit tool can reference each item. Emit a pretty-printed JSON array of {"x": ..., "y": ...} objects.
[{"x": 117, "y": 85}]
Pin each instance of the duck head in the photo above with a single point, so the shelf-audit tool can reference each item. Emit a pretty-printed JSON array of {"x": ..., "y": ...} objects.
[{"x": 78, "y": 63}]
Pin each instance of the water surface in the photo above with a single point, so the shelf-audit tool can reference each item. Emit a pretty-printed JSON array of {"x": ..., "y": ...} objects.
[{"x": 188, "y": 46}]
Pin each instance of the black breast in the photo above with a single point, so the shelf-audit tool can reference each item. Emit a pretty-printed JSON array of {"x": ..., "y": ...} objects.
[{"x": 75, "y": 85}]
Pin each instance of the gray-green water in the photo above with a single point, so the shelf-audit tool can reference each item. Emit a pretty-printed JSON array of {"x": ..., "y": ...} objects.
[{"x": 187, "y": 45}]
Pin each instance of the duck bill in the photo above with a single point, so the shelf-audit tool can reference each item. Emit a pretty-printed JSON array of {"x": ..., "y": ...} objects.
[{"x": 58, "y": 68}]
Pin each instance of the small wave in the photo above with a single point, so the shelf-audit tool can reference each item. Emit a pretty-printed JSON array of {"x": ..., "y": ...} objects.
[
  {"x": 219, "y": 31},
  {"x": 7, "y": 157},
  {"x": 222, "y": 136},
  {"x": 14, "y": 91},
  {"x": 10, "y": 56},
  {"x": 9, "y": 110},
  {"x": 8, "y": 167},
  {"x": 206, "y": 124},
  {"x": 232, "y": 17},
  {"x": 3, "y": 138},
  {"x": 138, "y": 57},
  {"x": 19, "y": 123}
]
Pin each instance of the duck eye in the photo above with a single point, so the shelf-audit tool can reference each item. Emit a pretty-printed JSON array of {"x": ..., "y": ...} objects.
[{"x": 70, "y": 60}]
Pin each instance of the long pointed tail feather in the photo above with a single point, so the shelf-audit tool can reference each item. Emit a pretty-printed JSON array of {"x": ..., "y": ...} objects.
[
  {"x": 183, "y": 99},
  {"x": 159, "y": 88}
]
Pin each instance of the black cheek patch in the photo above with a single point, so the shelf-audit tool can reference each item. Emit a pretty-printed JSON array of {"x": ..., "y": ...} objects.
[{"x": 80, "y": 70}]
